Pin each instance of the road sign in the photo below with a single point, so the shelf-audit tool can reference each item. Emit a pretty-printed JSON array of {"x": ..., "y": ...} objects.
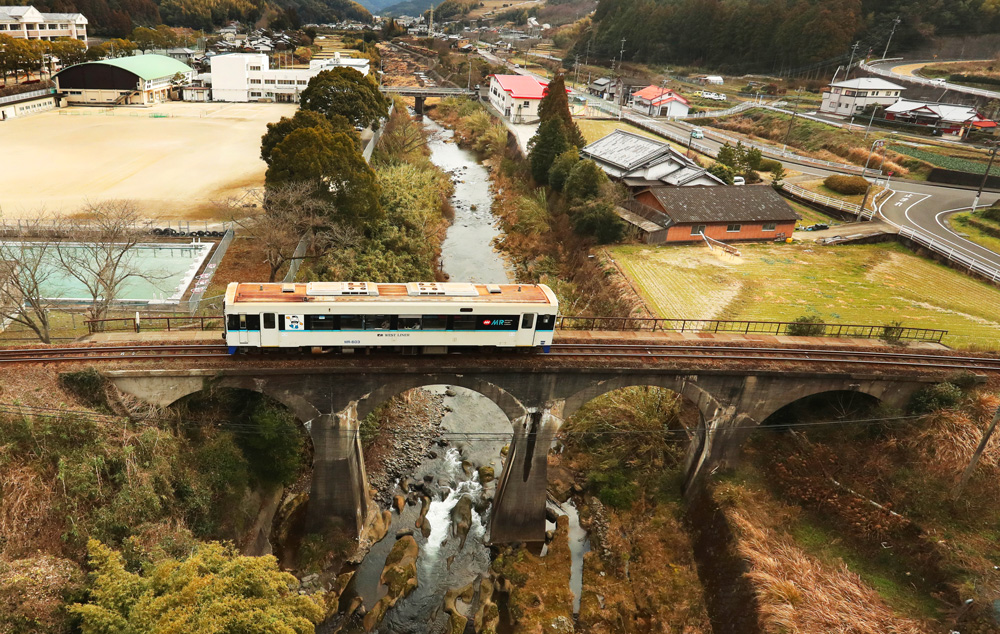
[{"x": 890, "y": 173}]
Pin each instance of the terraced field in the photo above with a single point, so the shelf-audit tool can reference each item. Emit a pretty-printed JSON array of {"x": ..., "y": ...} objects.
[{"x": 862, "y": 284}]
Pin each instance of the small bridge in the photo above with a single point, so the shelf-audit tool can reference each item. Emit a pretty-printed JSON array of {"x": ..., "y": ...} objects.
[{"x": 420, "y": 93}]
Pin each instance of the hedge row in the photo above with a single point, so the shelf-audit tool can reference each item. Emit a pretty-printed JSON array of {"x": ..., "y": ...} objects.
[{"x": 846, "y": 185}]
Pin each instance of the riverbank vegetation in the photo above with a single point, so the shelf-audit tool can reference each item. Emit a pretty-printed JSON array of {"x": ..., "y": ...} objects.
[
  {"x": 549, "y": 230},
  {"x": 832, "y": 518}
]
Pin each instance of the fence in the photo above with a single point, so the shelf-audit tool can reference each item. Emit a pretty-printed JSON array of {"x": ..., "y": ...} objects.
[
  {"x": 952, "y": 253},
  {"x": 376, "y": 135},
  {"x": 979, "y": 92},
  {"x": 139, "y": 324},
  {"x": 202, "y": 281},
  {"x": 746, "y": 105},
  {"x": 826, "y": 201},
  {"x": 652, "y": 324},
  {"x": 31, "y": 228}
]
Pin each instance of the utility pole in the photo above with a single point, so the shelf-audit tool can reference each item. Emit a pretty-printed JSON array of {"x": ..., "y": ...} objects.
[
  {"x": 982, "y": 184},
  {"x": 621, "y": 97},
  {"x": 576, "y": 69},
  {"x": 853, "y": 50},
  {"x": 895, "y": 23},
  {"x": 795, "y": 113},
  {"x": 975, "y": 457}
]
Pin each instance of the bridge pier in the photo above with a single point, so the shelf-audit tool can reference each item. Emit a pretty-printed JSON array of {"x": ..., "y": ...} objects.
[
  {"x": 519, "y": 506},
  {"x": 418, "y": 105},
  {"x": 339, "y": 489}
]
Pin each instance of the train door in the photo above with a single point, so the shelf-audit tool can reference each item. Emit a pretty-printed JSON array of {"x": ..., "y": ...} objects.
[
  {"x": 269, "y": 334},
  {"x": 244, "y": 335},
  {"x": 526, "y": 333}
]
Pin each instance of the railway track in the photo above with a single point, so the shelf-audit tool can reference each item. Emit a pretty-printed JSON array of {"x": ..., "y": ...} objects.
[
  {"x": 111, "y": 353},
  {"x": 798, "y": 355}
]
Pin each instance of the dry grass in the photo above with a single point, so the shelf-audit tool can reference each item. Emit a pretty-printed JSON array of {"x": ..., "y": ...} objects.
[
  {"x": 947, "y": 443},
  {"x": 29, "y": 520},
  {"x": 797, "y": 593}
]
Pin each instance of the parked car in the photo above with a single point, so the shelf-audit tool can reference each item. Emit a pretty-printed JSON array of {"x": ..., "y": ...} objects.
[
  {"x": 739, "y": 180},
  {"x": 697, "y": 134},
  {"x": 938, "y": 80}
]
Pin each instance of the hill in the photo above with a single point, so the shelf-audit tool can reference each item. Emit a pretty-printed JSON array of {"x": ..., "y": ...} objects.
[
  {"x": 119, "y": 17},
  {"x": 772, "y": 35}
]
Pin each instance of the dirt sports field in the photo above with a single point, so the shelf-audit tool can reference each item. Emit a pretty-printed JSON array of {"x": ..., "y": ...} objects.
[{"x": 173, "y": 160}]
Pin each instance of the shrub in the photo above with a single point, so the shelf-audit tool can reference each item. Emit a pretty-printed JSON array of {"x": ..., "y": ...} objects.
[
  {"x": 561, "y": 167},
  {"x": 935, "y": 397},
  {"x": 722, "y": 172},
  {"x": 614, "y": 488},
  {"x": 598, "y": 220},
  {"x": 847, "y": 185},
  {"x": 891, "y": 333},
  {"x": 751, "y": 177},
  {"x": 584, "y": 181},
  {"x": 992, "y": 213},
  {"x": 806, "y": 326},
  {"x": 87, "y": 385},
  {"x": 768, "y": 165}
]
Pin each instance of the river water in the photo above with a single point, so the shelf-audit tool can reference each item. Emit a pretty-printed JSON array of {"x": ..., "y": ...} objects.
[{"x": 474, "y": 430}]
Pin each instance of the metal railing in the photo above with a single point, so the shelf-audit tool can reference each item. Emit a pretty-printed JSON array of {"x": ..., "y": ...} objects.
[
  {"x": 140, "y": 324},
  {"x": 952, "y": 253},
  {"x": 32, "y": 94},
  {"x": 746, "y": 105},
  {"x": 826, "y": 201},
  {"x": 979, "y": 92},
  {"x": 655, "y": 324}
]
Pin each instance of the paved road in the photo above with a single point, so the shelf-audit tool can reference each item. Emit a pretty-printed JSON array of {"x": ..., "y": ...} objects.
[
  {"x": 921, "y": 206},
  {"x": 906, "y": 72}
]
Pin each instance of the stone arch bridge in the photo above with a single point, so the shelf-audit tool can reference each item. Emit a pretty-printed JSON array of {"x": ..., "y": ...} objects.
[{"x": 331, "y": 401}]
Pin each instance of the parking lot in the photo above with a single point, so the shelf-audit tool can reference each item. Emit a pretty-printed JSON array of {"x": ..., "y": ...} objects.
[{"x": 173, "y": 160}]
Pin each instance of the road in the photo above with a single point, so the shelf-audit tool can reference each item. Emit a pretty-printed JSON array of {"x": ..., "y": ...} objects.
[
  {"x": 918, "y": 205},
  {"x": 893, "y": 69}
]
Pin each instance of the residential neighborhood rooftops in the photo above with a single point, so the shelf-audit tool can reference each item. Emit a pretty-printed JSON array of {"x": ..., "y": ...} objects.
[
  {"x": 868, "y": 83},
  {"x": 627, "y": 150},
  {"x": 946, "y": 112},
  {"x": 521, "y": 86},
  {"x": 723, "y": 204},
  {"x": 658, "y": 95}
]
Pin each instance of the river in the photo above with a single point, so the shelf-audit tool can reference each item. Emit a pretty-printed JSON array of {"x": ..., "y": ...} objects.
[{"x": 474, "y": 431}]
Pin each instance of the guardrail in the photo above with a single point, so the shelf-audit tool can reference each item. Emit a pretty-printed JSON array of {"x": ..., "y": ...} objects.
[
  {"x": 746, "y": 105},
  {"x": 826, "y": 201},
  {"x": 951, "y": 253},
  {"x": 969, "y": 90},
  {"x": 32, "y": 94},
  {"x": 139, "y": 324},
  {"x": 655, "y": 324}
]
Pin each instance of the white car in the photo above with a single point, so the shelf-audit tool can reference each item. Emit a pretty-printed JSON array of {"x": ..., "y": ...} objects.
[
  {"x": 938, "y": 80},
  {"x": 697, "y": 134},
  {"x": 739, "y": 180}
]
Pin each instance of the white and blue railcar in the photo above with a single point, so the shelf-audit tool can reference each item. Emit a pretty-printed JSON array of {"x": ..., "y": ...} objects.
[{"x": 430, "y": 317}]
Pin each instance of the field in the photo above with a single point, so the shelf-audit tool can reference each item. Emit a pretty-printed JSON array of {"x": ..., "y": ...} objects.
[
  {"x": 173, "y": 160},
  {"x": 966, "y": 224},
  {"x": 861, "y": 284}
]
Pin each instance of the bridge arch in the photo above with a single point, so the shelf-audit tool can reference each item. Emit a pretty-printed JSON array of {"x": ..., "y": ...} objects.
[{"x": 509, "y": 404}]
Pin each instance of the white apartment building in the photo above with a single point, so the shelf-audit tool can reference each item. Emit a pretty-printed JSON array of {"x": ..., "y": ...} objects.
[
  {"x": 516, "y": 97},
  {"x": 243, "y": 77},
  {"x": 28, "y": 23},
  {"x": 850, "y": 97}
]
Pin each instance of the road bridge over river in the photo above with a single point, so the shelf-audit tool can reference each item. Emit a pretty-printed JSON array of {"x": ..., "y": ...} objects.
[{"x": 734, "y": 388}]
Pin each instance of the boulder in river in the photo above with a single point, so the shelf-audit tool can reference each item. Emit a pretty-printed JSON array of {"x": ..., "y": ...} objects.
[
  {"x": 399, "y": 576},
  {"x": 461, "y": 517},
  {"x": 398, "y": 502},
  {"x": 486, "y": 474}
]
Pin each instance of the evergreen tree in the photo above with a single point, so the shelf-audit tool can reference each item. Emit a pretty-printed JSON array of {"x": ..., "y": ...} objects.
[
  {"x": 276, "y": 132},
  {"x": 346, "y": 92},
  {"x": 561, "y": 167},
  {"x": 584, "y": 181},
  {"x": 548, "y": 143},
  {"x": 555, "y": 104}
]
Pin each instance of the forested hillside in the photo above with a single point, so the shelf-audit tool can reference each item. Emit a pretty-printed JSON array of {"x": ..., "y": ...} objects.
[
  {"x": 769, "y": 35},
  {"x": 119, "y": 17}
]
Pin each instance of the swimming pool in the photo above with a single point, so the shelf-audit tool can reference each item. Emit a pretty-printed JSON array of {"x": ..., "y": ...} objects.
[{"x": 165, "y": 271}]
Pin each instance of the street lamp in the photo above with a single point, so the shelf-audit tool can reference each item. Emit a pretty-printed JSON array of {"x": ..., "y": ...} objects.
[
  {"x": 993, "y": 154},
  {"x": 880, "y": 143}
]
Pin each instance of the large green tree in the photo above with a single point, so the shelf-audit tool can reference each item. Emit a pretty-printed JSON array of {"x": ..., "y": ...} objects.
[
  {"x": 555, "y": 104},
  {"x": 548, "y": 143},
  {"x": 348, "y": 93},
  {"x": 332, "y": 162},
  {"x": 214, "y": 590},
  {"x": 276, "y": 132}
]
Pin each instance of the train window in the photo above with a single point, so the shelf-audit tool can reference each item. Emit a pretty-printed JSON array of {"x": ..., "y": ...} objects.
[
  {"x": 233, "y": 322},
  {"x": 546, "y": 322},
  {"x": 352, "y": 322},
  {"x": 377, "y": 322},
  {"x": 321, "y": 322},
  {"x": 434, "y": 322},
  {"x": 465, "y": 322},
  {"x": 527, "y": 320},
  {"x": 253, "y": 322},
  {"x": 269, "y": 320},
  {"x": 408, "y": 323}
]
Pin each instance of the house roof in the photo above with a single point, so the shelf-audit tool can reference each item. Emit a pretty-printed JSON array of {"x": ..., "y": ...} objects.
[
  {"x": 658, "y": 95},
  {"x": 951, "y": 113},
  {"x": 627, "y": 150},
  {"x": 723, "y": 204},
  {"x": 146, "y": 67},
  {"x": 7, "y": 13},
  {"x": 601, "y": 81},
  {"x": 868, "y": 83},
  {"x": 521, "y": 86}
]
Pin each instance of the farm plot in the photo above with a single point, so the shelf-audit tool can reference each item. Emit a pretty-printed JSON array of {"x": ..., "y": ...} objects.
[{"x": 863, "y": 284}]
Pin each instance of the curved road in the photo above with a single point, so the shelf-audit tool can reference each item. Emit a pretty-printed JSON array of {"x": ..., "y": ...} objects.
[{"x": 918, "y": 205}]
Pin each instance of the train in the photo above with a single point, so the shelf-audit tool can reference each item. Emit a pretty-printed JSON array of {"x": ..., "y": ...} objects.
[{"x": 413, "y": 317}]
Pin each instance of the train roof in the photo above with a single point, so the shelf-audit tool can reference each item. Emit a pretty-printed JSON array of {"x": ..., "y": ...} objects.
[{"x": 373, "y": 292}]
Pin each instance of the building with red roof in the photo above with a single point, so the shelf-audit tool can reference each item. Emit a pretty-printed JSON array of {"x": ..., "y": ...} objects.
[
  {"x": 516, "y": 97},
  {"x": 656, "y": 101}
]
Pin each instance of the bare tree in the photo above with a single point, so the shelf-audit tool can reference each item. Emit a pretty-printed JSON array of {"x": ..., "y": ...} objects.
[
  {"x": 293, "y": 215},
  {"x": 101, "y": 254},
  {"x": 26, "y": 269}
]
